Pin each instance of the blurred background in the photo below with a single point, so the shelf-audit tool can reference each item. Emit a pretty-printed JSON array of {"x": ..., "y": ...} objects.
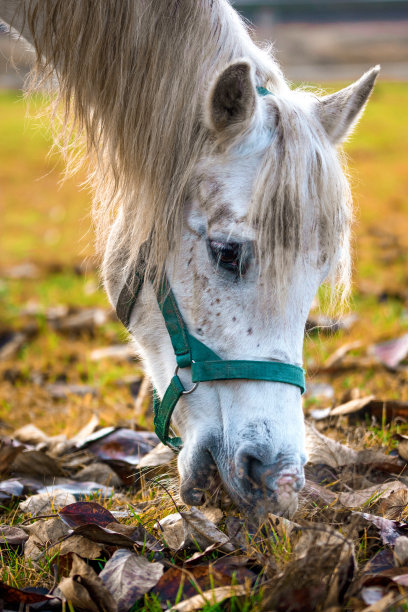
[{"x": 53, "y": 313}]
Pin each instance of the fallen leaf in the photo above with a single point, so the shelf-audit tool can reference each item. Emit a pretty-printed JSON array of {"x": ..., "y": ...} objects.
[
  {"x": 356, "y": 499},
  {"x": 283, "y": 527},
  {"x": 160, "y": 455},
  {"x": 403, "y": 447},
  {"x": 85, "y": 589},
  {"x": 172, "y": 529},
  {"x": 211, "y": 597},
  {"x": 78, "y": 489},
  {"x": 373, "y": 594},
  {"x": 10, "y": 344},
  {"x": 85, "y": 548},
  {"x": 392, "y": 352},
  {"x": 117, "y": 534},
  {"x": 86, "y": 320},
  {"x": 177, "y": 582},
  {"x": 395, "y": 506},
  {"x": 10, "y": 489},
  {"x": 86, "y": 431},
  {"x": 46, "y": 503},
  {"x": 10, "y": 595},
  {"x": 401, "y": 551},
  {"x": 100, "y": 473},
  {"x": 383, "y": 604},
  {"x": 42, "y": 534},
  {"x": 198, "y": 529},
  {"x": 337, "y": 357},
  {"x": 63, "y": 390},
  {"x": 352, "y": 406},
  {"x": 321, "y": 449},
  {"x": 30, "y": 434},
  {"x": 36, "y": 463},
  {"x": 389, "y": 530},
  {"x": 86, "y": 513},
  {"x": 128, "y": 577},
  {"x": 8, "y": 452},
  {"x": 117, "y": 351},
  {"x": 125, "y": 445},
  {"x": 12, "y": 536}
]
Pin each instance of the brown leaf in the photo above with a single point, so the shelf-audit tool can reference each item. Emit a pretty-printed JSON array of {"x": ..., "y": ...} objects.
[
  {"x": 86, "y": 513},
  {"x": 210, "y": 597},
  {"x": 322, "y": 449},
  {"x": 63, "y": 390},
  {"x": 79, "y": 545},
  {"x": 84, "y": 589},
  {"x": 10, "y": 595},
  {"x": 43, "y": 534},
  {"x": 160, "y": 455},
  {"x": 337, "y": 357},
  {"x": 352, "y": 406},
  {"x": 46, "y": 503},
  {"x": 86, "y": 320},
  {"x": 99, "y": 472},
  {"x": 116, "y": 534},
  {"x": 128, "y": 577},
  {"x": 172, "y": 529},
  {"x": 403, "y": 448},
  {"x": 395, "y": 506},
  {"x": 356, "y": 499},
  {"x": 12, "y": 536},
  {"x": 10, "y": 344},
  {"x": 118, "y": 352},
  {"x": 197, "y": 528},
  {"x": 36, "y": 463},
  {"x": 188, "y": 581},
  {"x": 125, "y": 445},
  {"x": 8, "y": 452}
]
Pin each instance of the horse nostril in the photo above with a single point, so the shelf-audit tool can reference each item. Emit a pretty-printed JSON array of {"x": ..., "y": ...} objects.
[{"x": 279, "y": 477}]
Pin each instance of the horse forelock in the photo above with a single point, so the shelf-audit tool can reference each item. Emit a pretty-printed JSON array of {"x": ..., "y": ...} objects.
[{"x": 132, "y": 77}]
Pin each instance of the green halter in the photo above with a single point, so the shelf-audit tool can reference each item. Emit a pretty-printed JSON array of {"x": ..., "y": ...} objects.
[{"x": 191, "y": 353}]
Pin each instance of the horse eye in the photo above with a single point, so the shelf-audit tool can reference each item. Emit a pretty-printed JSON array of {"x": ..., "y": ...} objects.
[{"x": 231, "y": 256}]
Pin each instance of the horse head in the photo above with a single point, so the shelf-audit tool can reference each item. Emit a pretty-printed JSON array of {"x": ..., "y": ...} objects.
[{"x": 266, "y": 221}]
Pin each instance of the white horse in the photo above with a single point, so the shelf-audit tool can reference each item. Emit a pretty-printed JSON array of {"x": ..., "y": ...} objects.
[{"x": 241, "y": 196}]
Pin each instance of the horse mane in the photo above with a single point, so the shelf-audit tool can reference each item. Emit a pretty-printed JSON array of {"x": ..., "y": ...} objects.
[{"x": 132, "y": 76}]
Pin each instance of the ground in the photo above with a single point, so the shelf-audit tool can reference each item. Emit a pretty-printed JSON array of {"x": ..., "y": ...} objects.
[{"x": 46, "y": 227}]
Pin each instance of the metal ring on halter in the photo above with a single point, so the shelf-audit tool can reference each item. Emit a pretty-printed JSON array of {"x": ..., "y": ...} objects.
[{"x": 193, "y": 388}]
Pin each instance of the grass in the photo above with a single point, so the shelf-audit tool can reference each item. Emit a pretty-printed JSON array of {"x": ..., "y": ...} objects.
[{"x": 48, "y": 223}]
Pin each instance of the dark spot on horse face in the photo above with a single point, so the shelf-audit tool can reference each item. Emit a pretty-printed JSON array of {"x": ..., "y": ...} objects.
[
  {"x": 234, "y": 319},
  {"x": 189, "y": 261},
  {"x": 199, "y": 331},
  {"x": 217, "y": 314},
  {"x": 249, "y": 331},
  {"x": 217, "y": 300}
]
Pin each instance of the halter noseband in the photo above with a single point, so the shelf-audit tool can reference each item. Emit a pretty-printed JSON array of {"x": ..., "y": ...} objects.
[{"x": 191, "y": 353}]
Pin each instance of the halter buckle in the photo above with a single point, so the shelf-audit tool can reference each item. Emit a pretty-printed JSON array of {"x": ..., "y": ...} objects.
[{"x": 193, "y": 388}]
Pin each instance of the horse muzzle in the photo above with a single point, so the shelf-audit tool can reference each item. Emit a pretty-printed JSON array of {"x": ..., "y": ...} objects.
[{"x": 252, "y": 476}]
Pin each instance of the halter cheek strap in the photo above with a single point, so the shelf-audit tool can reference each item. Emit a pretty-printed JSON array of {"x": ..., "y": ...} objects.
[
  {"x": 191, "y": 353},
  {"x": 205, "y": 364}
]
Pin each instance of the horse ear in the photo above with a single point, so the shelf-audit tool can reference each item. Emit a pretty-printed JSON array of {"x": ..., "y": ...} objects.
[
  {"x": 232, "y": 98},
  {"x": 339, "y": 112}
]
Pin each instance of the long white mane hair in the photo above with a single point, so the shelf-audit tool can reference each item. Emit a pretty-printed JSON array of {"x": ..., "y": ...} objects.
[{"x": 132, "y": 78}]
